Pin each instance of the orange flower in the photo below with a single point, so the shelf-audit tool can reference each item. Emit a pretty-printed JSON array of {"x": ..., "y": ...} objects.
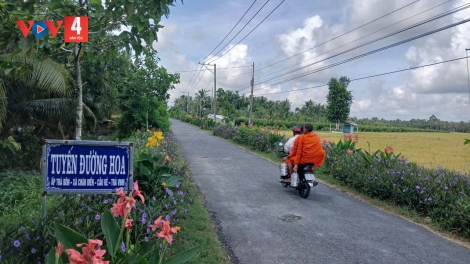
[
  {"x": 91, "y": 254},
  {"x": 137, "y": 193},
  {"x": 129, "y": 223},
  {"x": 124, "y": 204},
  {"x": 349, "y": 151},
  {"x": 388, "y": 149},
  {"x": 158, "y": 223},
  {"x": 166, "y": 232}
]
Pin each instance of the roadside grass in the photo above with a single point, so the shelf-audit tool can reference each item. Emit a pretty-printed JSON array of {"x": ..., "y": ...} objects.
[
  {"x": 429, "y": 149},
  {"x": 389, "y": 207},
  {"x": 20, "y": 197}
]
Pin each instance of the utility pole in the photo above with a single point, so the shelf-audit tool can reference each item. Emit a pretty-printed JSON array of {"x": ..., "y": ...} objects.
[
  {"x": 215, "y": 95},
  {"x": 215, "y": 89},
  {"x": 187, "y": 104},
  {"x": 468, "y": 77},
  {"x": 251, "y": 97}
]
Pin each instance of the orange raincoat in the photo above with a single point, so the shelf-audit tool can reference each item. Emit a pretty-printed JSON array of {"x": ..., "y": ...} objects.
[{"x": 309, "y": 150}]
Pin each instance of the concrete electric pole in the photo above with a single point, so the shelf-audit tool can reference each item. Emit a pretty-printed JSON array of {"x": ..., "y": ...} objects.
[{"x": 251, "y": 97}]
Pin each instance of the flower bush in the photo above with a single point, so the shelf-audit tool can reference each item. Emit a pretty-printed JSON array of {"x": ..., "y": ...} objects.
[
  {"x": 79, "y": 249},
  {"x": 158, "y": 174},
  {"x": 438, "y": 193}
]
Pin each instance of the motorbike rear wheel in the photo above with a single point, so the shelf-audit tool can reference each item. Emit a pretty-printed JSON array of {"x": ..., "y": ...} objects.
[{"x": 304, "y": 189}]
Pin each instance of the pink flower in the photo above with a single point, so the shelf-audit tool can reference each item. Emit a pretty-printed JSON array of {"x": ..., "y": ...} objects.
[
  {"x": 124, "y": 204},
  {"x": 349, "y": 151},
  {"x": 92, "y": 254},
  {"x": 158, "y": 224},
  {"x": 166, "y": 232},
  {"x": 129, "y": 223},
  {"x": 59, "y": 249},
  {"x": 137, "y": 193},
  {"x": 388, "y": 149}
]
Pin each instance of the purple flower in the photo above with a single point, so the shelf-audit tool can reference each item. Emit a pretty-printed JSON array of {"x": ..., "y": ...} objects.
[
  {"x": 185, "y": 211},
  {"x": 175, "y": 202},
  {"x": 148, "y": 230},
  {"x": 153, "y": 198},
  {"x": 89, "y": 209},
  {"x": 418, "y": 187},
  {"x": 22, "y": 228},
  {"x": 105, "y": 201},
  {"x": 167, "y": 218},
  {"x": 146, "y": 239},
  {"x": 33, "y": 251},
  {"x": 446, "y": 188},
  {"x": 404, "y": 191},
  {"x": 16, "y": 243},
  {"x": 177, "y": 186},
  {"x": 182, "y": 200},
  {"x": 97, "y": 217},
  {"x": 123, "y": 247},
  {"x": 164, "y": 196},
  {"x": 394, "y": 185},
  {"x": 26, "y": 236}
]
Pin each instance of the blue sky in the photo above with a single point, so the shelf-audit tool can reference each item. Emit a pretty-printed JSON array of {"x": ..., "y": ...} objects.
[{"x": 194, "y": 29}]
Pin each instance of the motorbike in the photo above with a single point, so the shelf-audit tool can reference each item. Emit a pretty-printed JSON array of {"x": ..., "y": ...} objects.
[{"x": 303, "y": 182}]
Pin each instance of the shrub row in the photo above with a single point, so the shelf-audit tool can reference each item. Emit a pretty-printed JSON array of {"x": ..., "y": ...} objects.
[
  {"x": 284, "y": 124},
  {"x": 439, "y": 193},
  {"x": 203, "y": 123}
]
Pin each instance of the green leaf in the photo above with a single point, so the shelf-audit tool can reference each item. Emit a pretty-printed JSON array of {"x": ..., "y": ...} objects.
[
  {"x": 51, "y": 257},
  {"x": 140, "y": 26},
  {"x": 155, "y": 257},
  {"x": 129, "y": 9},
  {"x": 142, "y": 253},
  {"x": 54, "y": 5},
  {"x": 110, "y": 230},
  {"x": 182, "y": 257},
  {"x": 19, "y": 12},
  {"x": 69, "y": 237},
  {"x": 24, "y": 45}
]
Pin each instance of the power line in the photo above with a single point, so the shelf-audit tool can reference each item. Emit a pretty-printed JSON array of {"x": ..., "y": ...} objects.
[
  {"x": 262, "y": 77},
  {"x": 238, "y": 31},
  {"x": 194, "y": 86},
  {"x": 231, "y": 30},
  {"x": 367, "y": 43},
  {"x": 248, "y": 32},
  {"x": 217, "y": 69},
  {"x": 375, "y": 51},
  {"x": 340, "y": 35},
  {"x": 371, "y": 76},
  {"x": 187, "y": 88}
]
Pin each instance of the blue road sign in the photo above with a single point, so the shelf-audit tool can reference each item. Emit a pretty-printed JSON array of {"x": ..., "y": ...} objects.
[{"x": 78, "y": 166}]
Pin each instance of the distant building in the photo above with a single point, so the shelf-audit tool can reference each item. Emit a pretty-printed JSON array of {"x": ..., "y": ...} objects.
[
  {"x": 220, "y": 118},
  {"x": 348, "y": 127}
]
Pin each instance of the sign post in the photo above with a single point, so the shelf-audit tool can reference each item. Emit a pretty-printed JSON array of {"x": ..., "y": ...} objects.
[{"x": 86, "y": 167}]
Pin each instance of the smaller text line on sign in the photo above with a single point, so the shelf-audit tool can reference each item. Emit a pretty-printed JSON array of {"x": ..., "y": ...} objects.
[{"x": 77, "y": 166}]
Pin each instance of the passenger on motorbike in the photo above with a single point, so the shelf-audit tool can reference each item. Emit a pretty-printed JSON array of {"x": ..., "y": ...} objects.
[
  {"x": 297, "y": 131},
  {"x": 289, "y": 160},
  {"x": 309, "y": 151}
]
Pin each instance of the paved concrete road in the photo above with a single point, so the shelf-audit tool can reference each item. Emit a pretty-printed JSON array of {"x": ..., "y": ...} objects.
[{"x": 262, "y": 222}]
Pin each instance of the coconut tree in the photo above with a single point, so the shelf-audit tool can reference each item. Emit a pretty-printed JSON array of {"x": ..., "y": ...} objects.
[{"x": 41, "y": 97}]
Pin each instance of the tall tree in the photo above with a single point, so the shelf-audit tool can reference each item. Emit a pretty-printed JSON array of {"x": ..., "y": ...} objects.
[
  {"x": 141, "y": 17},
  {"x": 339, "y": 100}
]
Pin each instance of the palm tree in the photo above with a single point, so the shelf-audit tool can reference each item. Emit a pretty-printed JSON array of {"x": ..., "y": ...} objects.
[{"x": 41, "y": 97}]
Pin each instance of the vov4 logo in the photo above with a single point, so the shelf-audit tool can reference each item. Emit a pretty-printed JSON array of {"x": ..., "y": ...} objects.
[{"x": 75, "y": 28}]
